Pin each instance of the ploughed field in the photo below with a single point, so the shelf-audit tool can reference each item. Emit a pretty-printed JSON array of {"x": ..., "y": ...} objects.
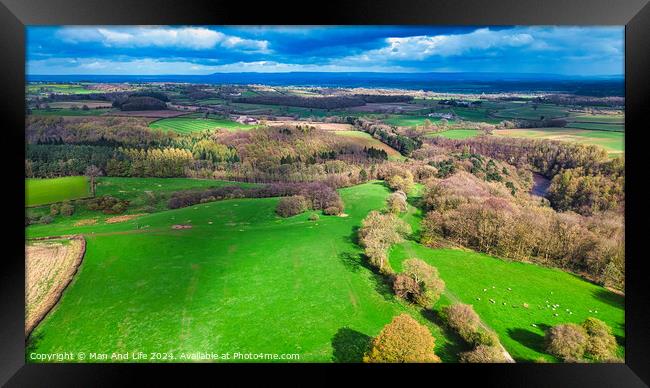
[
  {"x": 238, "y": 278},
  {"x": 49, "y": 266},
  {"x": 45, "y": 191}
]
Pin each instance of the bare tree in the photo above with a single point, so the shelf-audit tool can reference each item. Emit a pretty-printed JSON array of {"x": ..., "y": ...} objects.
[{"x": 92, "y": 172}]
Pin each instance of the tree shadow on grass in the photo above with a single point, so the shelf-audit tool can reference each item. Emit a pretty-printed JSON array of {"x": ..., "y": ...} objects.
[
  {"x": 453, "y": 345},
  {"x": 31, "y": 343},
  {"x": 529, "y": 339},
  {"x": 354, "y": 262},
  {"x": 612, "y": 299},
  {"x": 354, "y": 236},
  {"x": 350, "y": 345}
]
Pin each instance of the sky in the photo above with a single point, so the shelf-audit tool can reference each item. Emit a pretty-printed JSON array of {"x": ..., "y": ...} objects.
[{"x": 200, "y": 50}]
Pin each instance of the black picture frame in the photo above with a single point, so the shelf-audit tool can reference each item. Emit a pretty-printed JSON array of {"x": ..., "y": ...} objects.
[{"x": 16, "y": 14}]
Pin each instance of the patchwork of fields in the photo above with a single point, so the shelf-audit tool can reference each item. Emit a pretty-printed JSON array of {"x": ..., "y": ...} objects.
[{"x": 232, "y": 276}]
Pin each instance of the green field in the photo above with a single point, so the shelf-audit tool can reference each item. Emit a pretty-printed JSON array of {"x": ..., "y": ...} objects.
[
  {"x": 613, "y": 142},
  {"x": 188, "y": 124},
  {"x": 408, "y": 120},
  {"x": 530, "y": 112},
  {"x": 366, "y": 140},
  {"x": 145, "y": 195},
  {"x": 69, "y": 112},
  {"x": 600, "y": 118},
  {"x": 59, "y": 89},
  {"x": 456, "y": 133},
  {"x": 598, "y": 126},
  {"x": 248, "y": 282},
  {"x": 244, "y": 280},
  {"x": 511, "y": 284},
  {"x": 46, "y": 191}
]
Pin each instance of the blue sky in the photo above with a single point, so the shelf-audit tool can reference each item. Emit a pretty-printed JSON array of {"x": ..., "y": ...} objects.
[{"x": 151, "y": 50}]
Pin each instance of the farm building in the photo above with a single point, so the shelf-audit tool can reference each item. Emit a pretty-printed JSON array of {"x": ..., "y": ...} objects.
[
  {"x": 247, "y": 120},
  {"x": 448, "y": 116}
]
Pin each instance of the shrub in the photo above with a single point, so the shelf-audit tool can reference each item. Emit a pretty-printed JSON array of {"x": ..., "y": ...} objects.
[
  {"x": 46, "y": 219},
  {"x": 462, "y": 318},
  {"x": 335, "y": 208},
  {"x": 396, "y": 202},
  {"x": 483, "y": 337},
  {"x": 402, "y": 182},
  {"x": 108, "y": 205},
  {"x": 483, "y": 354},
  {"x": 379, "y": 232},
  {"x": 567, "y": 341},
  {"x": 67, "y": 209},
  {"x": 427, "y": 278},
  {"x": 54, "y": 209},
  {"x": 406, "y": 287},
  {"x": 314, "y": 217},
  {"x": 403, "y": 340},
  {"x": 601, "y": 344},
  {"x": 290, "y": 206}
]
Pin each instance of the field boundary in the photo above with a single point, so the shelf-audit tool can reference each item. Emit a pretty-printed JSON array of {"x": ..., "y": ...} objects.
[
  {"x": 66, "y": 283},
  {"x": 52, "y": 203}
]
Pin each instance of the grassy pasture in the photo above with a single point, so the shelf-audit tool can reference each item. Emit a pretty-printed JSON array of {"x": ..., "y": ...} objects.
[
  {"x": 408, "y": 120},
  {"x": 366, "y": 140},
  {"x": 59, "y": 89},
  {"x": 187, "y": 125},
  {"x": 456, "y": 133},
  {"x": 598, "y": 126},
  {"x": 145, "y": 195},
  {"x": 69, "y": 112},
  {"x": 600, "y": 118},
  {"x": 92, "y": 104},
  {"x": 241, "y": 280},
  {"x": 467, "y": 274},
  {"x": 46, "y": 191},
  {"x": 529, "y": 112},
  {"x": 612, "y": 142}
]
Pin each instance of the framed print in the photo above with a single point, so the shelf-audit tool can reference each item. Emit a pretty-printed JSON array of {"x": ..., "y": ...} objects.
[{"x": 222, "y": 187}]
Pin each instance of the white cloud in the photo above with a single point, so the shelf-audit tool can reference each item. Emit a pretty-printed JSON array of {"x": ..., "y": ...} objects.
[
  {"x": 195, "y": 38},
  {"x": 424, "y": 46},
  {"x": 150, "y": 66}
]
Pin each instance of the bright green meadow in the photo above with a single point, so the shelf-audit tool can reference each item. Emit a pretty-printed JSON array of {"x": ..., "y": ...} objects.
[
  {"x": 46, "y": 191},
  {"x": 245, "y": 280},
  {"x": 188, "y": 124}
]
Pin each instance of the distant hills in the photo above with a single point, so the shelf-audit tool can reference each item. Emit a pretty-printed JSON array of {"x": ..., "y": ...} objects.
[{"x": 442, "y": 82}]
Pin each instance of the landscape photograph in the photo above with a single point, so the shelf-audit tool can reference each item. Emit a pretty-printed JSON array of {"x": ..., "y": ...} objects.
[{"x": 325, "y": 194}]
